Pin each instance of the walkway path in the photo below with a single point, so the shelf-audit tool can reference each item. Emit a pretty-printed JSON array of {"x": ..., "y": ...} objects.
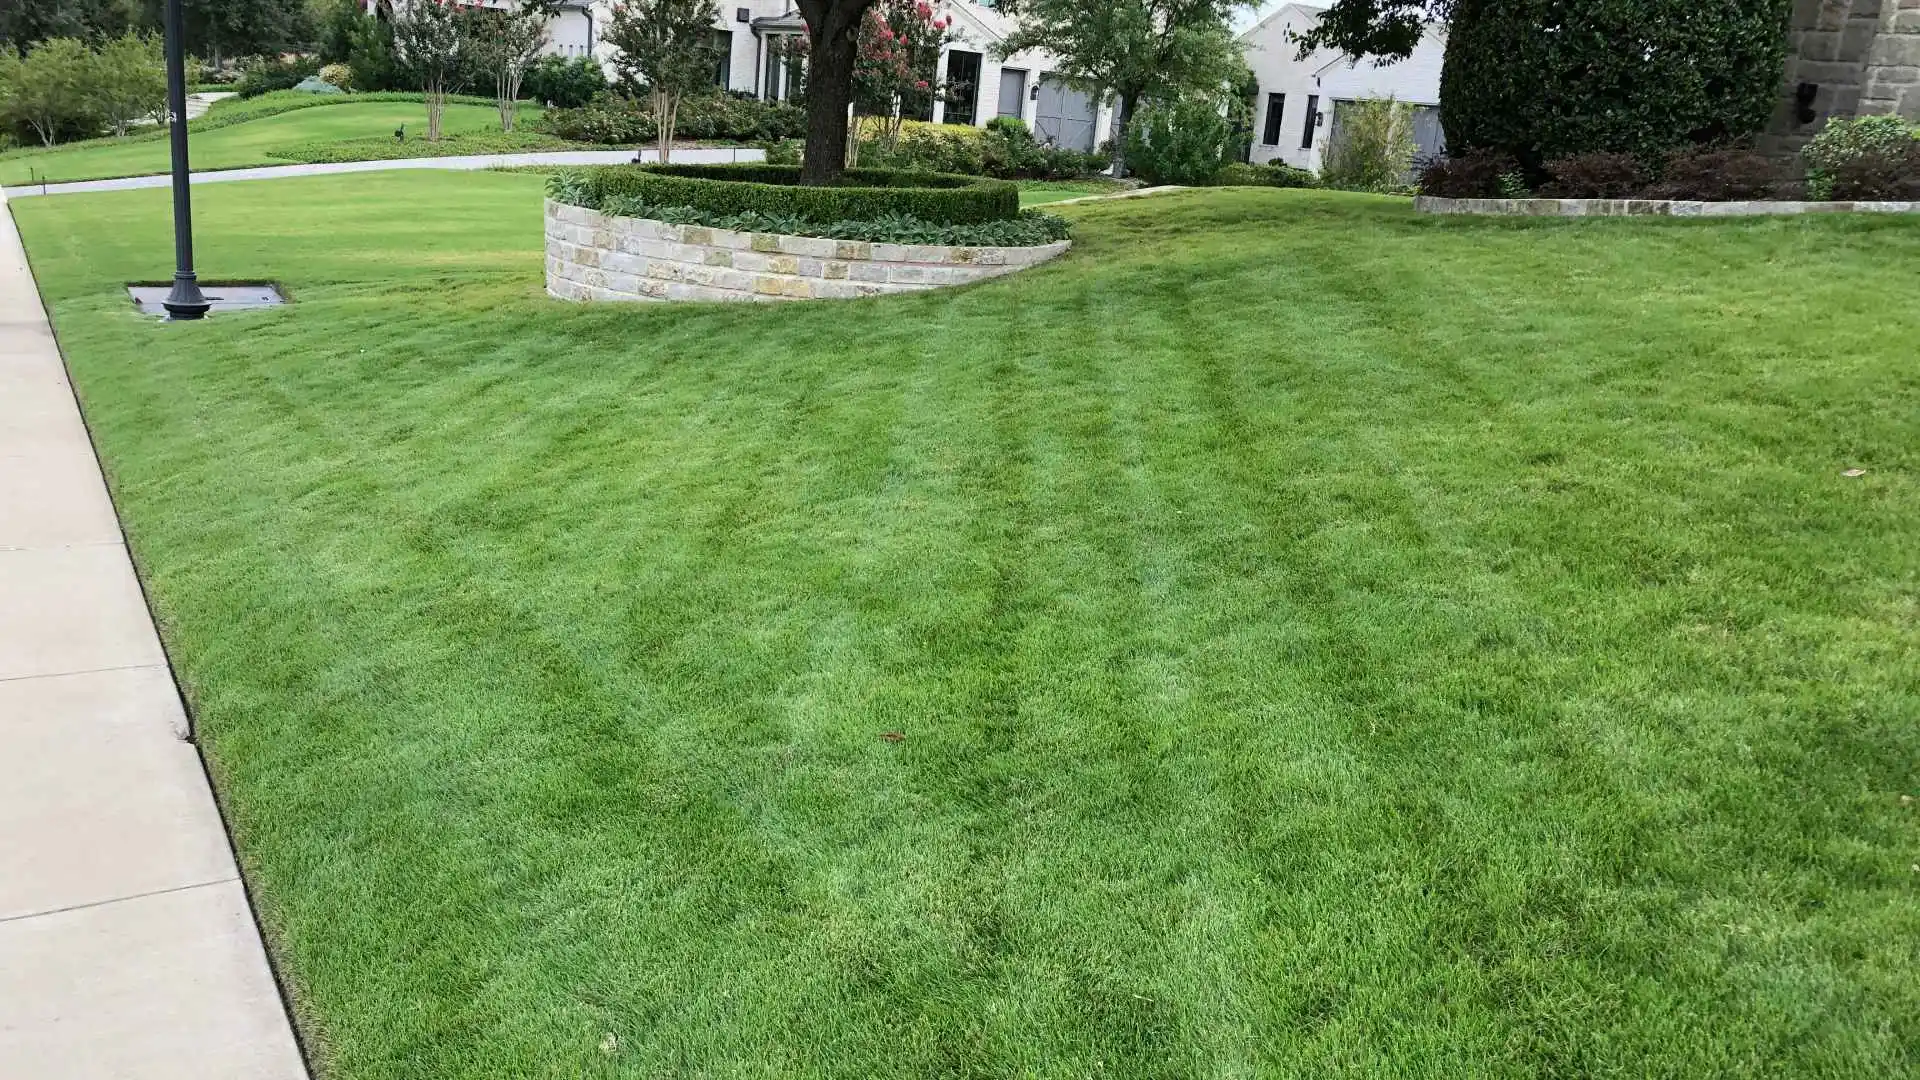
[
  {"x": 127, "y": 947},
  {"x": 478, "y": 161}
]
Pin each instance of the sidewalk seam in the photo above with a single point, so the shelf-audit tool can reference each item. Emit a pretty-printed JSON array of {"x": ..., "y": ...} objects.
[{"x": 4, "y": 919}]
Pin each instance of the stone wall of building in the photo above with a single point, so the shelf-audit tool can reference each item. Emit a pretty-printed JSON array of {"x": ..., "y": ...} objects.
[
  {"x": 1847, "y": 58},
  {"x": 594, "y": 256}
]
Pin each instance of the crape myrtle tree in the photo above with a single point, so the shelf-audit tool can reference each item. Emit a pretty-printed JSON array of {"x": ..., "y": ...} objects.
[
  {"x": 1139, "y": 50},
  {"x": 668, "y": 47},
  {"x": 431, "y": 44},
  {"x": 1542, "y": 79},
  {"x": 504, "y": 43}
]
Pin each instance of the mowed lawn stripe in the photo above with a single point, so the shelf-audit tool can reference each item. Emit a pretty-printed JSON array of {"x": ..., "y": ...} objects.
[{"x": 1322, "y": 640}]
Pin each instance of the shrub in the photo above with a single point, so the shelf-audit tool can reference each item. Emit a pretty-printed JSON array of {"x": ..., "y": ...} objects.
[
  {"x": 567, "y": 84},
  {"x": 1375, "y": 149},
  {"x": 1181, "y": 142},
  {"x": 1272, "y": 174},
  {"x": 339, "y": 75},
  {"x": 618, "y": 121},
  {"x": 1598, "y": 175},
  {"x": 860, "y": 195},
  {"x": 1010, "y": 126},
  {"x": 782, "y": 151},
  {"x": 1844, "y": 140},
  {"x": 1031, "y": 229},
  {"x": 370, "y": 57},
  {"x": 1890, "y": 172},
  {"x": 1473, "y": 175},
  {"x": 1545, "y": 79},
  {"x": 127, "y": 81},
  {"x": 261, "y": 75},
  {"x": 1722, "y": 173}
]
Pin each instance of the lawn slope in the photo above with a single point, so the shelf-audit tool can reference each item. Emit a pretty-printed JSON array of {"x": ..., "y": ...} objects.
[
  {"x": 1286, "y": 637},
  {"x": 246, "y": 144}
]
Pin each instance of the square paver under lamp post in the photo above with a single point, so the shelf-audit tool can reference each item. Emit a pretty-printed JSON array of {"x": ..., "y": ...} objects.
[{"x": 186, "y": 300}]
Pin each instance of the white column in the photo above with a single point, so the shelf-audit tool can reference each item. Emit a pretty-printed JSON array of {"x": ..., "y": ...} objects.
[{"x": 940, "y": 81}]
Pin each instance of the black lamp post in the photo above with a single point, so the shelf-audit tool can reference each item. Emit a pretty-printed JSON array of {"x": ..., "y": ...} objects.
[{"x": 186, "y": 300}]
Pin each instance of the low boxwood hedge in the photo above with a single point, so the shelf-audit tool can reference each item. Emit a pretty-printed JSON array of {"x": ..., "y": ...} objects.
[{"x": 775, "y": 190}]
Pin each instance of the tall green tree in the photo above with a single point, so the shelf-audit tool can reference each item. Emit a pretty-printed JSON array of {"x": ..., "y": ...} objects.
[
  {"x": 45, "y": 89},
  {"x": 127, "y": 80},
  {"x": 1138, "y": 50},
  {"x": 221, "y": 30},
  {"x": 668, "y": 47},
  {"x": 24, "y": 22}
]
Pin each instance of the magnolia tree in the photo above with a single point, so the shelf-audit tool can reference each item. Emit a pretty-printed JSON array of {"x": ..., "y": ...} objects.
[
  {"x": 667, "y": 46},
  {"x": 505, "y": 42},
  {"x": 1138, "y": 50},
  {"x": 430, "y": 44}
]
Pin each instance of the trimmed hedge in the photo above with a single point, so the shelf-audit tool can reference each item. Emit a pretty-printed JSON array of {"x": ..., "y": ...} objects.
[
  {"x": 775, "y": 190},
  {"x": 1539, "y": 80}
]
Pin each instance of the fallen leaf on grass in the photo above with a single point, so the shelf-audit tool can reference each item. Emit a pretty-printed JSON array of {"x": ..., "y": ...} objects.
[
  {"x": 893, "y": 736},
  {"x": 1851, "y": 473},
  {"x": 609, "y": 1044}
]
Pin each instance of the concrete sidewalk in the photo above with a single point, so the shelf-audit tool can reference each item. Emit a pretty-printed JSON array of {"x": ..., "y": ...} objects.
[
  {"x": 127, "y": 947},
  {"x": 687, "y": 156}
]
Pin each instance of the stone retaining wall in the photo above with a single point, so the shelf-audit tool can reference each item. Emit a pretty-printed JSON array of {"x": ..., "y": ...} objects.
[
  {"x": 1428, "y": 204},
  {"x": 594, "y": 256}
]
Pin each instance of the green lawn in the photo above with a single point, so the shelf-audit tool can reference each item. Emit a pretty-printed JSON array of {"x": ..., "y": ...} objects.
[
  {"x": 245, "y": 144},
  {"x": 1286, "y": 637}
]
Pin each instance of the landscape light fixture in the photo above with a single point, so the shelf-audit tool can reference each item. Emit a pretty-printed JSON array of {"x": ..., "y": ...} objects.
[{"x": 185, "y": 301}]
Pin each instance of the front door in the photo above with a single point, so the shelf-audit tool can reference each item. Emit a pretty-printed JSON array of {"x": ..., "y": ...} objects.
[{"x": 1013, "y": 92}]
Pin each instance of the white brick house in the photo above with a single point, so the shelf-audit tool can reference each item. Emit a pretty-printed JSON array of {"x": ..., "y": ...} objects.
[
  {"x": 1298, "y": 107},
  {"x": 1022, "y": 85}
]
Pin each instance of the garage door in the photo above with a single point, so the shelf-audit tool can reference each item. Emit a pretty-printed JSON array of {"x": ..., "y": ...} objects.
[{"x": 1064, "y": 116}]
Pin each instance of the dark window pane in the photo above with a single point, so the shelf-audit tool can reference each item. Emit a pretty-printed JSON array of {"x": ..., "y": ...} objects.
[{"x": 1276, "y": 112}]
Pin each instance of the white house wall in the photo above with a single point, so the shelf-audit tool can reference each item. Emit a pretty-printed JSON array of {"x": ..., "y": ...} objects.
[
  {"x": 1328, "y": 76},
  {"x": 580, "y": 29}
]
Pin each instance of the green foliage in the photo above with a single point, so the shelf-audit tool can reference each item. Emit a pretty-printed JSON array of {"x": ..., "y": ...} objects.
[
  {"x": 1272, "y": 174},
  {"x": 370, "y": 57},
  {"x": 46, "y": 91},
  {"x": 127, "y": 80},
  {"x": 1141, "y": 50},
  {"x": 668, "y": 47},
  {"x": 1011, "y": 126},
  {"x": 1374, "y": 149},
  {"x": 859, "y": 195},
  {"x": 1005, "y": 153},
  {"x": 1385, "y": 28},
  {"x": 1032, "y": 228},
  {"x": 619, "y": 121},
  {"x": 26, "y": 22},
  {"x": 263, "y": 75},
  {"x": 1544, "y": 79},
  {"x": 1185, "y": 141},
  {"x": 1845, "y": 140},
  {"x": 782, "y": 151},
  {"x": 433, "y": 50},
  {"x": 453, "y": 145},
  {"x": 222, "y": 29},
  {"x": 567, "y": 83}
]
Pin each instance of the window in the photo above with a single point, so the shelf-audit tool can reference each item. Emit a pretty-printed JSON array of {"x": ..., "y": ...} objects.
[
  {"x": 1313, "y": 115},
  {"x": 1276, "y": 109},
  {"x": 723, "y": 59},
  {"x": 963, "y": 86}
]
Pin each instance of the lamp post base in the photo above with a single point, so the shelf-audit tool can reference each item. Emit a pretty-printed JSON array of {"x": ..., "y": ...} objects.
[{"x": 186, "y": 301}]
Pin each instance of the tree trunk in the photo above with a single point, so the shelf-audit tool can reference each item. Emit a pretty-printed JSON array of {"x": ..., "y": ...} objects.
[
  {"x": 829, "y": 93},
  {"x": 515, "y": 77},
  {"x": 503, "y": 99},
  {"x": 663, "y": 126},
  {"x": 436, "y": 95},
  {"x": 1128, "y": 104}
]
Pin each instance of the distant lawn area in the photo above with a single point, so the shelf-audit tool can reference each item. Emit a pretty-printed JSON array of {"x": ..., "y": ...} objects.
[
  {"x": 1286, "y": 637},
  {"x": 246, "y": 144}
]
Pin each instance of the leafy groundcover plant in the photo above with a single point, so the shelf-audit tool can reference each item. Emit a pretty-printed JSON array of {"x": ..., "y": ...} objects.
[{"x": 1031, "y": 228}]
